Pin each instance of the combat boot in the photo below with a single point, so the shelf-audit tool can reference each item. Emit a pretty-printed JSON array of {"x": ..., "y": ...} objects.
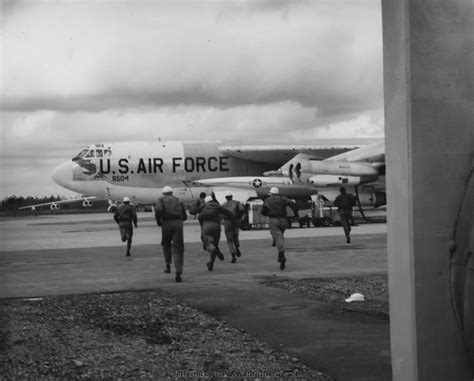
[
  {"x": 233, "y": 259},
  {"x": 282, "y": 260},
  {"x": 210, "y": 266},
  {"x": 178, "y": 278},
  {"x": 168, "y": 268}
]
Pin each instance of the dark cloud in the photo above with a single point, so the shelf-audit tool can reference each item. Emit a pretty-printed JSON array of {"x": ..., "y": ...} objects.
[
  {"x": 327, "y": 103},
  {"x": 255, "y": 60}
]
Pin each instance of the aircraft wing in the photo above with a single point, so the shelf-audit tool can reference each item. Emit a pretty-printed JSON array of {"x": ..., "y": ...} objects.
[
  {"x": 86, "y": 202},
  {"x": 280, "y": 154}
]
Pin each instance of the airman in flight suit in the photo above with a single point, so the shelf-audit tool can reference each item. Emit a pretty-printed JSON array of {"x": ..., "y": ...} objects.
[
  {"x": 231, "y": 230},
  {"x": 275, "y": 208},
  {"x": 196, "y": 208},
  {"x": 124, "y": 216},
  {"x": 170, "y": 214},
  {"x": 210, "y": 216},
  {"x": 345, "y": 202}
]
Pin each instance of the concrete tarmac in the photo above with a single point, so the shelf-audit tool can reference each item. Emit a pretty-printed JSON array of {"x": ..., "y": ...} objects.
[{"x": 71, "y": 254}]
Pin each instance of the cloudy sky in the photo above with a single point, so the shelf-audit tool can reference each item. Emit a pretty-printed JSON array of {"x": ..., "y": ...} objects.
[{"x": 81, "y": 72}]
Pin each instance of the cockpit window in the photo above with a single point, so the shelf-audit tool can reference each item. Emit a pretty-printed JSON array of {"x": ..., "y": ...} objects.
[
  {"x": 80, "y": 154},
  {"x": 93, "y": 152}
]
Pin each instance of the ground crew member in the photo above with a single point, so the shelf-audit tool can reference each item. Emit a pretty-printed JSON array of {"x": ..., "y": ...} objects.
[
  {"x": 210, "y": 217},
  {"x": 125, "y": 215},
  {"x": 275, "y": 208},
  {"x": 197, "y": 204},
  {"x": 196, "y": 208},
  {"x": 345, "y": 202},
  {"x": 231, "y": 230},
  {"x": 170, "y": 214}
]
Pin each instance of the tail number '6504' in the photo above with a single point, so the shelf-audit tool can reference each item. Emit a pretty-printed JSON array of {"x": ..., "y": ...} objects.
[{"x": 119, "y": 178}]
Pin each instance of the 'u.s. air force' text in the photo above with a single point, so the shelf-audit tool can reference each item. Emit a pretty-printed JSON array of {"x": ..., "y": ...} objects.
[{"x": 158, "y": 165}]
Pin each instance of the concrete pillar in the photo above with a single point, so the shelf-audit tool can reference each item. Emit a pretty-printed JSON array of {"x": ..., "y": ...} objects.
[{"x": 429, "y": 131}]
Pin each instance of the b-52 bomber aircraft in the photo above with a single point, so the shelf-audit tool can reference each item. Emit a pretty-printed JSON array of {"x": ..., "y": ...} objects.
[{"x": 140, "y": 170}]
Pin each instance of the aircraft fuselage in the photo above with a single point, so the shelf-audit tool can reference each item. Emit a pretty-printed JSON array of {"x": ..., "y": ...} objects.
[{"x": 141, "y": 169}]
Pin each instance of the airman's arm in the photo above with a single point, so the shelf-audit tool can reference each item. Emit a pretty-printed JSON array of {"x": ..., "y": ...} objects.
[
  {"x": 196, "y": 207},
  {"x": 241, "y": 209},
  {"x": 185, "y": 215},
  {"x": 229, "y": 214},
  {"x": 353, "y": 200},
  {"x": 159, "y": 211},
  {"x": 294, "y": 207}
]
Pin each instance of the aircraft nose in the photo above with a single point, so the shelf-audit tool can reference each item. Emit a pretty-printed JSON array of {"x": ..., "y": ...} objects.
[{"x": 62, "y": 174}]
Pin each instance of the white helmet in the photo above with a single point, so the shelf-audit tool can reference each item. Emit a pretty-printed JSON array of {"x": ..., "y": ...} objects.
[
  {"x": 355, "y": 298},
  {"x": 126, "y": 199},
  {"x": 167, "y": 189},
  {"x": 274, "y": 190},
  {"x": 208, "y": 198}
]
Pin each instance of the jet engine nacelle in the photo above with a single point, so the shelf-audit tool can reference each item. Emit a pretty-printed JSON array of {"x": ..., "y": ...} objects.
[
  {"x": 367, "y": 197},
  {"x": 374, "y": 199},
  {"x": 53, "y": 206},
  {"x": 86, "y": 204},
  {"x": 328, "y": 180}
]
